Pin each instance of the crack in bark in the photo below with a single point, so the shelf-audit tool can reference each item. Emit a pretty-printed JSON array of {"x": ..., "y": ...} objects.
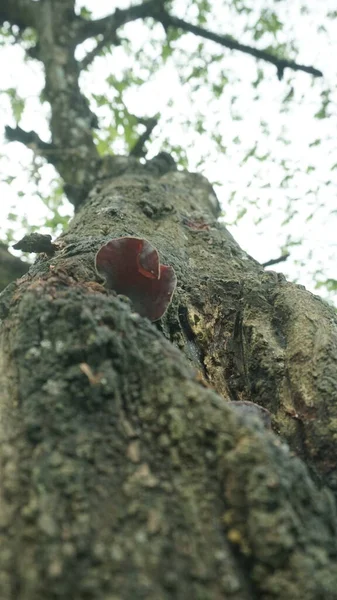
[{"x": 194, "y": 349}]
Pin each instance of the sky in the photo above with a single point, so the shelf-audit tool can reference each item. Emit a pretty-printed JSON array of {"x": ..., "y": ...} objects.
[{"x": 243, "y": 117}]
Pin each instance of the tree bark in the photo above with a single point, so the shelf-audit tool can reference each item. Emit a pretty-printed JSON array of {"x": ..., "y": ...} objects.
[{"x": 127, "y": 469}]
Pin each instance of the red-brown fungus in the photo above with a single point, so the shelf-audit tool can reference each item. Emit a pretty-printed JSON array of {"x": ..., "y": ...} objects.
[{"x": 131, "y": 266}]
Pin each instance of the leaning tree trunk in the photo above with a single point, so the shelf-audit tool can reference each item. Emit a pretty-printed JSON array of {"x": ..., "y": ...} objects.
[{"x": 127, "y": 470}]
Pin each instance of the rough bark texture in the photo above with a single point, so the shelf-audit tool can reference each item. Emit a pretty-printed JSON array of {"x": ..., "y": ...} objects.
[
  {"x": 124, "y": 475},
  {"x": 132, "y": 466},
  {"x": 252, "y": 335}
]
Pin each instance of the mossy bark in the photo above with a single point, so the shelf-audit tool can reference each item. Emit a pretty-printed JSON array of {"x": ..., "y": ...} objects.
[{"x": 125, "y": 471}]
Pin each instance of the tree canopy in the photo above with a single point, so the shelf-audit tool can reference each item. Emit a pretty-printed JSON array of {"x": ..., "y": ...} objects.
[{"x": 241, "y": 91}]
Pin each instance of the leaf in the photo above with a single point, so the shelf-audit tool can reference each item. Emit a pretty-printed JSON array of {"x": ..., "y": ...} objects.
[
  {"x": 17, "y": 103},
  {"x": 329, "y": 284},
  {"x": 85, "y": 13},
  {"x": 322, "y": 112},
  {"x": 204, "y": 8},
  {"x": 259, "y": 78},
  {"x": 241, "y": 214},
  {"x": 285, "y": 181},
  {"x": 317, "y": 142},
  {"x": 166, "y": 51},
  {"x": 267, "y": 23},
  {"x": 249, "y": 154}
]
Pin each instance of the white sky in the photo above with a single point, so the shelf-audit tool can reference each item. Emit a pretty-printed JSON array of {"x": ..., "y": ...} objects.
[{"x": 306, "y": 194}]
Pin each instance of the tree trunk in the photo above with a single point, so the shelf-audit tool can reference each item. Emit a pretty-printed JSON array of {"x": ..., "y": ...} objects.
[{"x": 128, "y": 471}]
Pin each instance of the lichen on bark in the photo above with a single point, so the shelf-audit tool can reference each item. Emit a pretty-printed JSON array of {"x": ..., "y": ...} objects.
[{"x": 125, "y": 472}]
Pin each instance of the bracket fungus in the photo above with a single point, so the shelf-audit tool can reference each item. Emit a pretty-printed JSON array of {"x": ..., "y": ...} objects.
[{"x": 131, "y": 266}]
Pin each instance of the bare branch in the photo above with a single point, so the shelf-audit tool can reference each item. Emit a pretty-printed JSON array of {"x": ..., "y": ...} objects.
[
  {"x": 155, "y": 9},
  {"x": 109, "y": 25},
  {"x": 228, "y": 42},
  {"x": 275, "y": 261},
  {"x": 32, "y": 141},
  {"x": 53, "y": 155},
  {"x": 109, "y": 39},
  {"x": 139, "y": 148}
]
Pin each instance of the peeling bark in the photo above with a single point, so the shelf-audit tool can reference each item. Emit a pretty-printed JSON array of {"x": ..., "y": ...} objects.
[{"x": 125, "y": 473}]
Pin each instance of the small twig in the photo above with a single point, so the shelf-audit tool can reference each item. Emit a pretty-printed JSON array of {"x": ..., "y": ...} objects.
[
  {"x": 108, "y": 26},
  {"x": 275, "y": 261},
  {"x": 110, "y": 38},
  {"x": 110, "y": 23},
  {"x": 28, "y": 138},
  {"x": 138, "y": 149},
  {"x": 228, "y": 42},
  {"x": 32, "y": 141}
]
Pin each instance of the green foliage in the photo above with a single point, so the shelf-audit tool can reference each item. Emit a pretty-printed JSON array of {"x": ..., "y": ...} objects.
[
  {"x": 213, "y": 111},
  {"x": 241, "y": 7},
  {"x": 329, "y": 284},
  {"x": 322, "y": 113},
  {"x": 172, "y": 36},
  {"x": 268, "y": 22},
  {"x": 29, "y": 37},
  {"x": 125, "y": 125},
  {"x": 85, "y": 13},
  {"x": 16, "y": 102},
  {"x": 6, "y": 35},
  {"x": 259, "y": 78},
  {"x": 204, "y": 8}
]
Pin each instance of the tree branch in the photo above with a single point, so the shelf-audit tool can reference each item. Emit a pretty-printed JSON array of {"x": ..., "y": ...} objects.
[
  {"x": 32, "y": 141},
  {"x": 139, "y": 148},
  {"x": 55, "y": 156},
  {"x": 275, "y": 261},
  {"x": 155, "y": 9},
  {"x": 107, "y": 26},
  {"x": 228, "y": 42},
  {"x": 109, "y": 38}
]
